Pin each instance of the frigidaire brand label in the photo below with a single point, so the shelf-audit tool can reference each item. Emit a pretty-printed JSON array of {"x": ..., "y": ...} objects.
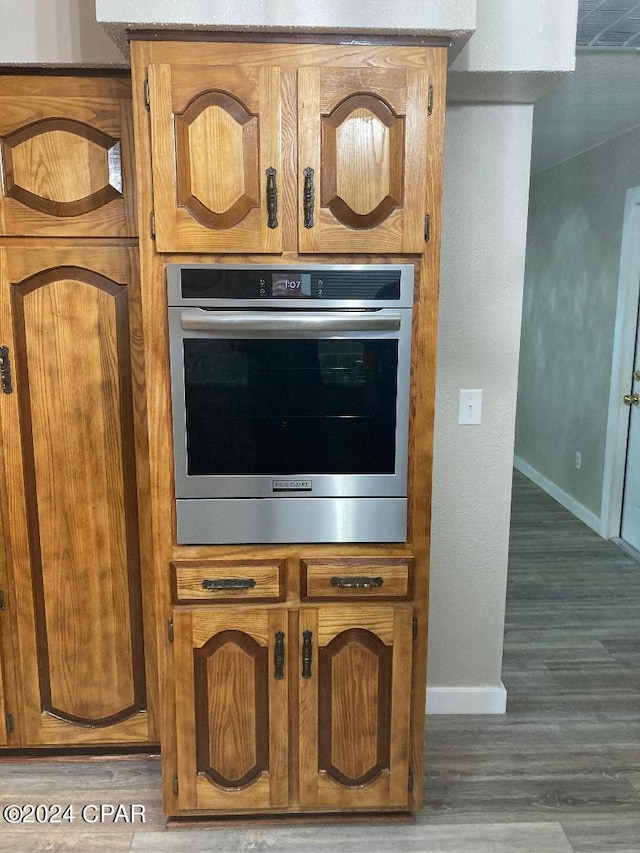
[{"x": 291, "y": 485}]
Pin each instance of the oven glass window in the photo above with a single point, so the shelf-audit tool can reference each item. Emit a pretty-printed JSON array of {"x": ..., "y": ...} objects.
[{"x": 287, "y": 407}]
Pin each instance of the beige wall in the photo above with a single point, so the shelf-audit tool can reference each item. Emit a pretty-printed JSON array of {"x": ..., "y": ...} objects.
[
  {"x": 54, "y": 32},
  {"x": 483, "y": 247}
]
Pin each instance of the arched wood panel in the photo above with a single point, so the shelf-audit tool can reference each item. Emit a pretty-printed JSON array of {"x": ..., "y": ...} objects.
[
  {"x": 62, "y": 167},
  {"x": 354, "y": 707},
  {"x": 217, "y": 160},
  {"x": 73, "y": 381},
  {"x": 232, "y": 711}
]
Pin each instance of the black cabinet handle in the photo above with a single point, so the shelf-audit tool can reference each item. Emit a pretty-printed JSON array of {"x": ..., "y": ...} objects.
[
  {"x": 308, "y": 197},
  {"x": 228, "y": 583},
  {"x": 278, "y": 656},
  {"x": 306, "y": 653},
  {"x": 356, "y": 582},
  {"x": 5, "y": 370},
  {"x": 272, "y": 198}
]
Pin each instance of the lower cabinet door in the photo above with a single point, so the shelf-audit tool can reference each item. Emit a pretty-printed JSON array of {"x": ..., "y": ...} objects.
[
  {"x": 354, "y": 696},
  {"x": 231, "y": 707},
  {"x": 68, "y": 433}
]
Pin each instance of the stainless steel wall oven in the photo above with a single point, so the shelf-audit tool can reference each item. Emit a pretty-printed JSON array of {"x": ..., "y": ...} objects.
[{"x": 290, "y": 394}]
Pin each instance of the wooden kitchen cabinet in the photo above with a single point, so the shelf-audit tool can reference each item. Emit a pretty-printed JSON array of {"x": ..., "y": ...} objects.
[
  {"x": 66, "y": 148},
  {"x": 215, "y": 132},
  {"x": 223, "y": 141},
  {"x": 354, "y": 133},
  {"x": 69, "y": 434},
  {"x": 234, "y": 674},
  {"x": 232, "y": 708}
]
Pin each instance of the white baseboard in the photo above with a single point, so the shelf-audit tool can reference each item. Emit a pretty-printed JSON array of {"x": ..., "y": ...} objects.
[
  {"x": 466, "y": 700},
  {"x": 585, "y": 515}
]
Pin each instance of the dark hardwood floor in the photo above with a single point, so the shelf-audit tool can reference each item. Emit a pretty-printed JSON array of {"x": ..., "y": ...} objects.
[
  {"x": 559, "y": 773},
  {"x": 568, "y": 749}
]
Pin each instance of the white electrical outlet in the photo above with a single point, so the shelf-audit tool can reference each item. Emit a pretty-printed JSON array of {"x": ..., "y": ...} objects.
[
  {"x": 470, "y": 406},
  {"x": 578, "y": 460}
]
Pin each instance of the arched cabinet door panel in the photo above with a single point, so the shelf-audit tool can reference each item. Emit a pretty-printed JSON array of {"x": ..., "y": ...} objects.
[
  {"x": 231, "y": 708},
  {"x": 362, "y": 164},
  {"x": 67, "y": 159},
  {"x": 68, "y": 436},
  {"x": 215, "y": 136},
  {"x": 354, "y": 706}
]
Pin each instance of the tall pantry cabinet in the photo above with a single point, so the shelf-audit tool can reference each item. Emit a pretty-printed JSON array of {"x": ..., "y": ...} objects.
[
  {"x": 75, "y": 667},
  {"x": 293, "y": 676}
]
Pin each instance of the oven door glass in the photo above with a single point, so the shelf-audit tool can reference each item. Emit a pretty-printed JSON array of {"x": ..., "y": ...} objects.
[{"x": 290, "y": 406}]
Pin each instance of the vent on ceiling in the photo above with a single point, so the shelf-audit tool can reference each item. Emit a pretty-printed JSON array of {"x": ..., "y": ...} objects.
[{"x": 608, "y": 23}]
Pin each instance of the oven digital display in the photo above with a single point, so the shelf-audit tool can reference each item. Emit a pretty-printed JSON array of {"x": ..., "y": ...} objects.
[{"x": 290, "y": 284}]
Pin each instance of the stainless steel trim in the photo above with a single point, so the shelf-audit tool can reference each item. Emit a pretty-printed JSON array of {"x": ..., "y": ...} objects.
[
  {"x": 176, "y": 299},
  {"x": 236, "y": 486},
  {"x": 196, "y": 319},
  {"x": 274, "y": 520}
]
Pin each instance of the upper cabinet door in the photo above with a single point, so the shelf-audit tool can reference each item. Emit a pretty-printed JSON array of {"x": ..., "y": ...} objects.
[
  {"x": 362, "y": 164},
  {"x": 67, "y": 160},
  {"x": 215, "y": 135}
]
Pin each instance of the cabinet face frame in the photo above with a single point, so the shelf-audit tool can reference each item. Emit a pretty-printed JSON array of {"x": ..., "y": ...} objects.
[{"x": 50, "y": 645}]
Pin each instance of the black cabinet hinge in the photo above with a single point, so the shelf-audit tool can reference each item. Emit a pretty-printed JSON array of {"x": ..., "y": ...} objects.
[
  {"x": 147, "y": 98},
  {"x": 427, "y": 227},
  {"x": 152, "y": 225},
  {"x": 176, "y": 786},
  {"x": 415, "y": 627},
  {"x": 10, "y": 723},
  {"x": 410, "y": 781},
  {"x": 170, "y": 630},
  {"x": 429, "y": 101},
  {"x": 2, "y": 605}
]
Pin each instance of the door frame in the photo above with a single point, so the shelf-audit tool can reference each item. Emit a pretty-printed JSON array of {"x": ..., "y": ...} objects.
[{"x": 625, "y": 331}]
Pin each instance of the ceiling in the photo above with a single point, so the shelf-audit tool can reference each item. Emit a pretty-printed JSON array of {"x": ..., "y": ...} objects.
[{"x": 600, "y": 99}]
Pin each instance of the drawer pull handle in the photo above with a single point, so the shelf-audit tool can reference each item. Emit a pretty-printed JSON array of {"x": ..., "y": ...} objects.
[
  {"x": 356, "y": 582},
  {"x": 306, "y": 653},
  {"x": 278, "y": 656},
  {"x": 228, "y": 583}
]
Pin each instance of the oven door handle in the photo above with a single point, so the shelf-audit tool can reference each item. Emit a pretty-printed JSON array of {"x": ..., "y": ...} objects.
[{"x": 248, "y": 321}]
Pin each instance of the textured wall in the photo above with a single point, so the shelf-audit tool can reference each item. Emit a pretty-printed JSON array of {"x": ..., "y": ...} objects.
[
  {"x": 483, "y": 248},
  {"x": 573, "y": 258},
  {"x": 54, "y": 32}
]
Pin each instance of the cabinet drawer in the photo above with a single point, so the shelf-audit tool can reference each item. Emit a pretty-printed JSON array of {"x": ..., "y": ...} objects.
[
  {"x": 228, "y": 580},
  {"x": 360, "y": 578}
]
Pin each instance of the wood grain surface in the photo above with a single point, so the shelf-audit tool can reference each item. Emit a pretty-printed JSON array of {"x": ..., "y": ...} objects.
[{"x": 67, "y": 151}]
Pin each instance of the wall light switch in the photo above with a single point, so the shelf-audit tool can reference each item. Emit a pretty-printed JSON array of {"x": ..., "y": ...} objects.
[{"x": 470, "y": 406}]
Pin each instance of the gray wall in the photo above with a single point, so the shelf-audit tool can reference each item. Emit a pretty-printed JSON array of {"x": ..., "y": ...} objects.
[{"x": 571, "y": 279}]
